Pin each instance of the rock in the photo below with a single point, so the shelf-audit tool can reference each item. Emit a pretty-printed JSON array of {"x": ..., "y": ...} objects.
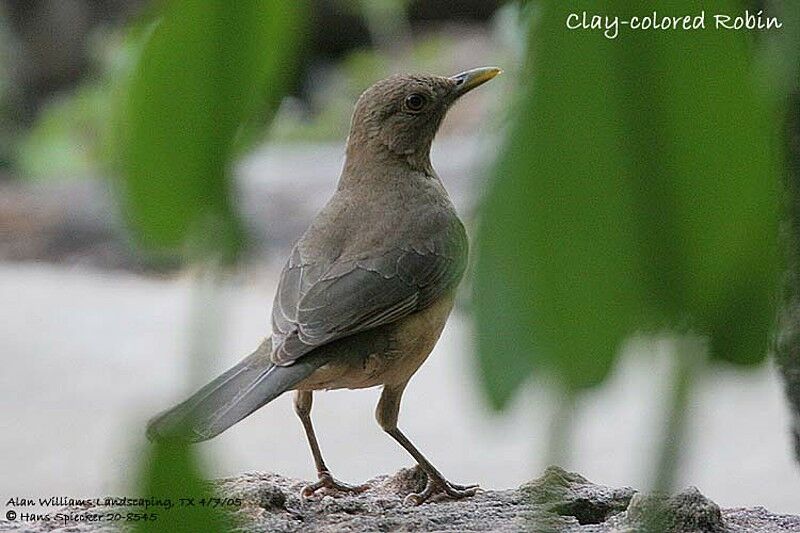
[
  {"x": 569, "y": 494},
  {"x": 688, "y": 511},
  {"x": 557, "y": 502}
]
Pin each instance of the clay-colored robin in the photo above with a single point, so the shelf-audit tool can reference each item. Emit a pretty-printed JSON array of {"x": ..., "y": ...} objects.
[{"x": 367, "y": 289}]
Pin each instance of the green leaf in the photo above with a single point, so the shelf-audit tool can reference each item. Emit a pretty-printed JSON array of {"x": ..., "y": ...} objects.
[
  {"x": 172, "y": 473},
  {"x": 207, "y": 67},
  {"x": 557, "y": 279},
  {"x": 637, "y": 189},
  {"x": 704, "y": 155}
]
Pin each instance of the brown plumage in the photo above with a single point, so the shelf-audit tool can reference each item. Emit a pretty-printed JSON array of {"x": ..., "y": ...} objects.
[{"x": 367, "y": 289}]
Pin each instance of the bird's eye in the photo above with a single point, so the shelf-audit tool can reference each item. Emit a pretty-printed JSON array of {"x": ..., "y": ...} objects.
[{"x": 415, "y": 102}]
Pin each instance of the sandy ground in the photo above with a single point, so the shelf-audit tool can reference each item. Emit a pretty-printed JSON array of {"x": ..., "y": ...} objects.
[{"x": 88, "y": 356}]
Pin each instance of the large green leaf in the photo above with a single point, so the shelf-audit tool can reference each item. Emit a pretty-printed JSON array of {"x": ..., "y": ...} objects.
[
  {"x": 556, "y": 275},
  {"x": 704, "y": 156},
  {"x": 637, "y": 189},
  {"x": 208, "y": 65}
]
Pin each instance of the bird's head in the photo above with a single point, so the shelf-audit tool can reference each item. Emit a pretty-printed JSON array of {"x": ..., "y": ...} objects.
[{"x": 397, "y": 117}]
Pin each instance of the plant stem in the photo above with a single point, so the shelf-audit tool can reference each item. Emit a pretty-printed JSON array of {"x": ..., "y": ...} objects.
[
  {"x": 690, "y": 352},
  {"x": 561, "y": 424},
  {"x": 206, "y": 321}
]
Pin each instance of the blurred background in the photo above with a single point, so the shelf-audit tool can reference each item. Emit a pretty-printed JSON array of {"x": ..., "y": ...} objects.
[{"x": 96, "y": 335}]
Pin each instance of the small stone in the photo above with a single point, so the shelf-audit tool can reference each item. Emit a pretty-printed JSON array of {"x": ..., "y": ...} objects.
[
  {"x": 270, "y": 498},
  {"x": 686, "y": 512}
]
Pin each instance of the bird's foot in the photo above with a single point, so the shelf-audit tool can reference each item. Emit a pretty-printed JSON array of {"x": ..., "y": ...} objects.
[
  {"x": 441, "y": 489},
  {"x": 327, "y": 481}
]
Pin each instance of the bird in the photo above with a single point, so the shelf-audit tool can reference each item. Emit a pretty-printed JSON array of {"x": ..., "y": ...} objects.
[{"x": 366, "y": 291}]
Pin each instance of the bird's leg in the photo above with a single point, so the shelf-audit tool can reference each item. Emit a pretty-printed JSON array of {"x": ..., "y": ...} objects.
[
  {"x": 302, "y": 406},
  {"x": 386, "y": 414}
]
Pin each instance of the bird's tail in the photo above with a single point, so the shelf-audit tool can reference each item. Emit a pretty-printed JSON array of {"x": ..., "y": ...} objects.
[{"x": 250, "y": 384}]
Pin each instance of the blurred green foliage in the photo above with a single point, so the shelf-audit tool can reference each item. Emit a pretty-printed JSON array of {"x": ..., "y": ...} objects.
[
  {"x": 203, "y": 73},
  {"x": 637, "y": 190},
  {"x": 73, "y": 135}
]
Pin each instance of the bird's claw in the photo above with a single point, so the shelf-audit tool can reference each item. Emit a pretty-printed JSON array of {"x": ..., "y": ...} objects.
[
  {"x": 327, "y": 481},
  {"x": 441, "y": 489}
]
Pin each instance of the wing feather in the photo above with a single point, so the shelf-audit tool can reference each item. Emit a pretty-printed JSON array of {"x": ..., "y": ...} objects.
[{"x": 317, "y": 303}]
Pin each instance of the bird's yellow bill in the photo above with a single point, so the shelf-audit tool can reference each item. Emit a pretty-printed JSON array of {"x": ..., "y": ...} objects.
[{"x": 466, "y": 81}]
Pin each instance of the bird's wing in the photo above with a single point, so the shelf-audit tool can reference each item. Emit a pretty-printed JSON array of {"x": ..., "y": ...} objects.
[{"x": 316, "y": 304}]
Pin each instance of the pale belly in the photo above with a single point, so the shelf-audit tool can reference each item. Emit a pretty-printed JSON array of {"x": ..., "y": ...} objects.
[{"x": 387, "y": 355}]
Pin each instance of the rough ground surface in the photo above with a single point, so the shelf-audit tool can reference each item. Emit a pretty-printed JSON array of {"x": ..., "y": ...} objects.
[{"x": 558, "y": 501}]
